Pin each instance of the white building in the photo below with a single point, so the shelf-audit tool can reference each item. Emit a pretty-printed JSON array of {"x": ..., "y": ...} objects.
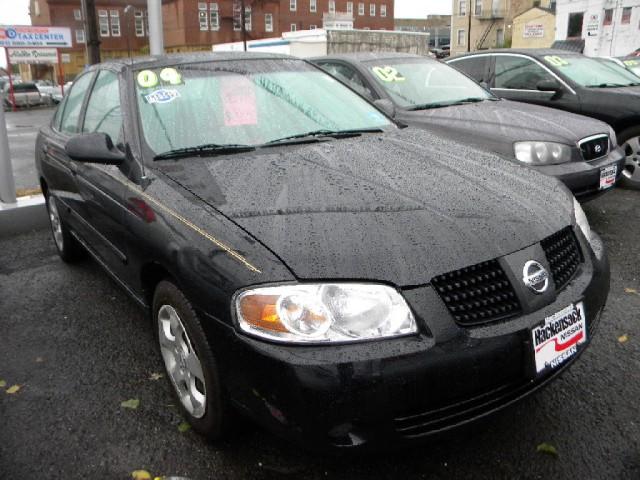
[{"x": 608, "y": 27}]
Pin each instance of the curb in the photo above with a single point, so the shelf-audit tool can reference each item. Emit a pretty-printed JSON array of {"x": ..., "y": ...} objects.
[{"x": 27, "y": 214}]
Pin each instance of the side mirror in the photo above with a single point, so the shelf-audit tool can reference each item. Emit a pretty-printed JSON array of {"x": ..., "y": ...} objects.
[
  {"x": 549, "y": 85},
  {"x": 386, "y": 106},
  {"x": 94, "y": 148}
]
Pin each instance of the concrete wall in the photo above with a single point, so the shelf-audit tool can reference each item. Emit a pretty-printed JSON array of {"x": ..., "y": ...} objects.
[
  {"x": 345, "y": 41},
  {"x": 540, "y": 18},
  {"x": 616, "y": 39}
]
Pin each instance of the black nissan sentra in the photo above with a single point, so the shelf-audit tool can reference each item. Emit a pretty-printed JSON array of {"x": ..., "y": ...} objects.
[{"x": 305, "y": 261}]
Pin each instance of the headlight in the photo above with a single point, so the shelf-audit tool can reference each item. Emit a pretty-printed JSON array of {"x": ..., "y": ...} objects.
[
  {"x": 542, "y": 153},
  {"x": 581, "y": 220},
  {"x": 331, "y": 312}
]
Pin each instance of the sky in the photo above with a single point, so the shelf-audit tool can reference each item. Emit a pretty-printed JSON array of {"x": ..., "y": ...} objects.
[{"x": 16, "y": 12}]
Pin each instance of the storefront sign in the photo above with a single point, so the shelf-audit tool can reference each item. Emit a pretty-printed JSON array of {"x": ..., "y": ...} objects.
[
  {"x": 533, "y": 30},
  {"x": 27, "y": 36},
  {"x": 33, "y": 55},
  {"x": 593, "y": 25}
]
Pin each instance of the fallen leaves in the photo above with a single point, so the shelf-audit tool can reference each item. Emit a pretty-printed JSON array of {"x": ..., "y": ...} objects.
[
  {"x": 184, "y": 427},
  {"x": 132, "y": 403},
  {"x": 623, "y": 338},
  {"x": 547, "y": 449},
  {"x": 13, "y": 389},
  {"x": 631, "y": 290},
  {"x": 140, "y": 475},
  {"x": 155, "y": 376},
  {"x": 3, "y": 384}
]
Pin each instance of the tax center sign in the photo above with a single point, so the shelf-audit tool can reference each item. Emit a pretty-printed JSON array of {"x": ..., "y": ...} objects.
[{"x": 28, "y": 36}]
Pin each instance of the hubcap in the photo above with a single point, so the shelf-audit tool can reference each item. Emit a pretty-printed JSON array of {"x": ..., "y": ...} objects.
[
  {"x": 632, "y": 164},
  {"x": 56, "y": 225},
  {"x": 181, "y": 361}
]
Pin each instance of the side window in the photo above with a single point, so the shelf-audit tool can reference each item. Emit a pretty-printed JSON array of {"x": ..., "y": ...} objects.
[
  {"x": 518, "y": 73},
  {"x": 55, "y": 123},
  {"x": 103, "y": 112},
  {"x": 349, "y": 76},
  {"x": 475, "y": 67},
  {"x": 73, "y": 105}
]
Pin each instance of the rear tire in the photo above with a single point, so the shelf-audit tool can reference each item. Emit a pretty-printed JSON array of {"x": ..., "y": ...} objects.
[
  {"x": 68, "y": 247},
  {"x": 629, "y": 140},
  {"x": 190, "y": 364}
]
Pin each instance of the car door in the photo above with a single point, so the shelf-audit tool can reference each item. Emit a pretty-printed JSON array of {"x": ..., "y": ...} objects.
[
  {"x": 520, "y": 78},
  {"x": 101, "y": 187},
  {"x": 350, "y": 76},
  {"x": 58, "y": 169}
]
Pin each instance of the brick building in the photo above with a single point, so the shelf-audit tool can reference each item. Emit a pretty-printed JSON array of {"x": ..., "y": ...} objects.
[{"x": 192, "y": 25}]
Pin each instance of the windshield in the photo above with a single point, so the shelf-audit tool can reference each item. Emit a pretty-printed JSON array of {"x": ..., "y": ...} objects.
[
  {"x": 589, "y": 72},
  {"x": 418, "y": 82},
  {"x": 247, "y": 103},
  {"x": 633, "y": 65}
]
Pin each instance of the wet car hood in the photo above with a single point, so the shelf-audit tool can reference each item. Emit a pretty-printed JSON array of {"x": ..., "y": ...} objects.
[
  {"x": 496, "y": 125},
  {"x": 398, "y": 207}
]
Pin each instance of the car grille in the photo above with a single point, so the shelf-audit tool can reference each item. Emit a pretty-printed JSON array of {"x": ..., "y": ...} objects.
[
  {"x": 563, "y": 254},
  {"x": 478, "y": 294},
  {"x": 595, "y": 147}
]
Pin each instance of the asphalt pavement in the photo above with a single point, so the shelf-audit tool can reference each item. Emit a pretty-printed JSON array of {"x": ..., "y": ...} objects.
[
  {"x": 22, "y": 128},
  {"x": 78, "y": 347}
]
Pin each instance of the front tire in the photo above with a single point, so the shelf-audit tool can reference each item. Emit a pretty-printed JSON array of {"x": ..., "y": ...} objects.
[
  {"x": 629, "y": 140},
  {"x": 68, "y": 247},
  {"x": 189, "y": 362}
]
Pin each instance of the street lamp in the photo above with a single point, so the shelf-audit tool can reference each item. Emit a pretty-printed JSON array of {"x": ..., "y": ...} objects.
[{"x": 127, "y": 17}]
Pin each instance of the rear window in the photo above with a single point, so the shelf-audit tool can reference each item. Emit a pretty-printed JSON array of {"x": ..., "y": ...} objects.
[{"x": 25, "y": 88}]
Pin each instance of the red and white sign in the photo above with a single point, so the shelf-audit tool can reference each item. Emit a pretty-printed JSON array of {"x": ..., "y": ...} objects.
[
  {"x": 608, "y": 176},
  {"x": 557, "y": 339},
  {"x": 33, "y": 55},
  {"x": 28, "y": 36},
  {"x": 533, "y": 30}
]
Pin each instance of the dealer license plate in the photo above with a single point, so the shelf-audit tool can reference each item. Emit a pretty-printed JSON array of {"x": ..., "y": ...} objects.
[
  {"x": 608, "y": 176},
  {"x": 557, "y": 339}
]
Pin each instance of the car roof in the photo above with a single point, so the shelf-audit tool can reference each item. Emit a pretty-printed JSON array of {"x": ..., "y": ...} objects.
[
  {"x": 533, "y": 52},
  {"x": 367, "y": 56},
  {"x": 185, "y": 58}
]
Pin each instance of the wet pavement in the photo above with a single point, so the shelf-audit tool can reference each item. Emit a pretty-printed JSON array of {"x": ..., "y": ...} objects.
[{"x": 78, "y": 347}]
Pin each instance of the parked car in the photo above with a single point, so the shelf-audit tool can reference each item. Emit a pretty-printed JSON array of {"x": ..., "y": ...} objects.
[
  {"x": 632, "y": 64},
  {"x": 24, "y": 94},
  {"x": 568, "y": 81},
  {"x": 428, "y": 94},
  {"x": 343, "y": 281}
]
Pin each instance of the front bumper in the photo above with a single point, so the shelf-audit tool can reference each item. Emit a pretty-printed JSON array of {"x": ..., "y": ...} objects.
[
  {"x": 373, "y": 394},
  {"x": 583, "y": 178}
]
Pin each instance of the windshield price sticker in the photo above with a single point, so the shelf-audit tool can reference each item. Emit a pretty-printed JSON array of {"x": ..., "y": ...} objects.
[
  {"x": 631, "y": 63},
  {"x": 163, "y": 95},
  {"x": 167, "y": 76},
  {"x": 556, "y": 61},
  {"x": 557, "y": 339},
  {"x": 388, "y": 74}
]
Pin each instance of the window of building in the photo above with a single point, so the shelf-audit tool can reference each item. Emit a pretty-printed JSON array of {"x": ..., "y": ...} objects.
[
  {"x": 115, "y": 23},
  {"x": 361, "y": 8},
  {"x": 139, "y": 23},
  {"x": 350, "y": 8},
  {"x": 462, "y": 36},
  {"x": 103, "y": 113},
  {"x": 575, "y": 25},
  {"x": 332, "y": 6},
  {"x": 294, "y": 27},
  {"x": 372, "y": 9},
  {"x": 608, "y": 16},
  {"x": 80, "y": 36},
  {"x": 462, "y": 7},
  {"x": 237, "y": 12},
  {"x": 77, "y": 14},
  {"x": 478, "y": 10},
  {"x": 268, "y": 22},
  {"x": 293, "y": 5},
  {"x": 313, "y": 6},
  {"x": 383, "y": 10},
  {"x": 626, "y": 16},
  {"x": 312, "y": 27},
  {"x": 214, "y": 16},
  {"x": 247, "y": 18},
  {"x": 103, "y": 23},
  {"x": 202, "y": 16}
]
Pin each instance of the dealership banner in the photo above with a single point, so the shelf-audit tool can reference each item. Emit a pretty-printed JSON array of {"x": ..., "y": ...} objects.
[
  {"x": 533, "y": 30},
  {"x": 27, "y": 36},
  {"x": 33, "y": 55}
]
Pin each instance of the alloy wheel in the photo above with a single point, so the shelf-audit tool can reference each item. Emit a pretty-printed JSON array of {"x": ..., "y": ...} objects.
[
  {"x": 632, "y": 164},
  {"x": 181, "y": 361},
  {"x": 56, "y": 224}
]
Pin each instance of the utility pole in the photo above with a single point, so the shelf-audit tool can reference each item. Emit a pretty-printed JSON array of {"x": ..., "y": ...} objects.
[
  {"x": 469, "y": 28},
  {"x": 243, "y": 24},
  {"x": 91, "y": 29},
  {"x": 156, "y": 39}
]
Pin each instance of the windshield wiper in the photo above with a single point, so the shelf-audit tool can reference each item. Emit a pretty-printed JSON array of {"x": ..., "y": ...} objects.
[
  {"x": 613, "y": 85},
  {"x": 315, "y": 135},
  {"x": 427, "y": 106},
  {"x": 206, "y": 149}
]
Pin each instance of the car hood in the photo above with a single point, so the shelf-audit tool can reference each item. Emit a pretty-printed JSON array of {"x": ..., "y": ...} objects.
[
  {"x": 397, "y": 207},
  {"x": 495, "y": 125}
]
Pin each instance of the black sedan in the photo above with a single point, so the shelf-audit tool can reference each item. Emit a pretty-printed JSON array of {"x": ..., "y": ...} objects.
[
  {"x": 567, "y": 81},
  {"x": 308, "y": 263},
  {"x": 428, "y": 94}
]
